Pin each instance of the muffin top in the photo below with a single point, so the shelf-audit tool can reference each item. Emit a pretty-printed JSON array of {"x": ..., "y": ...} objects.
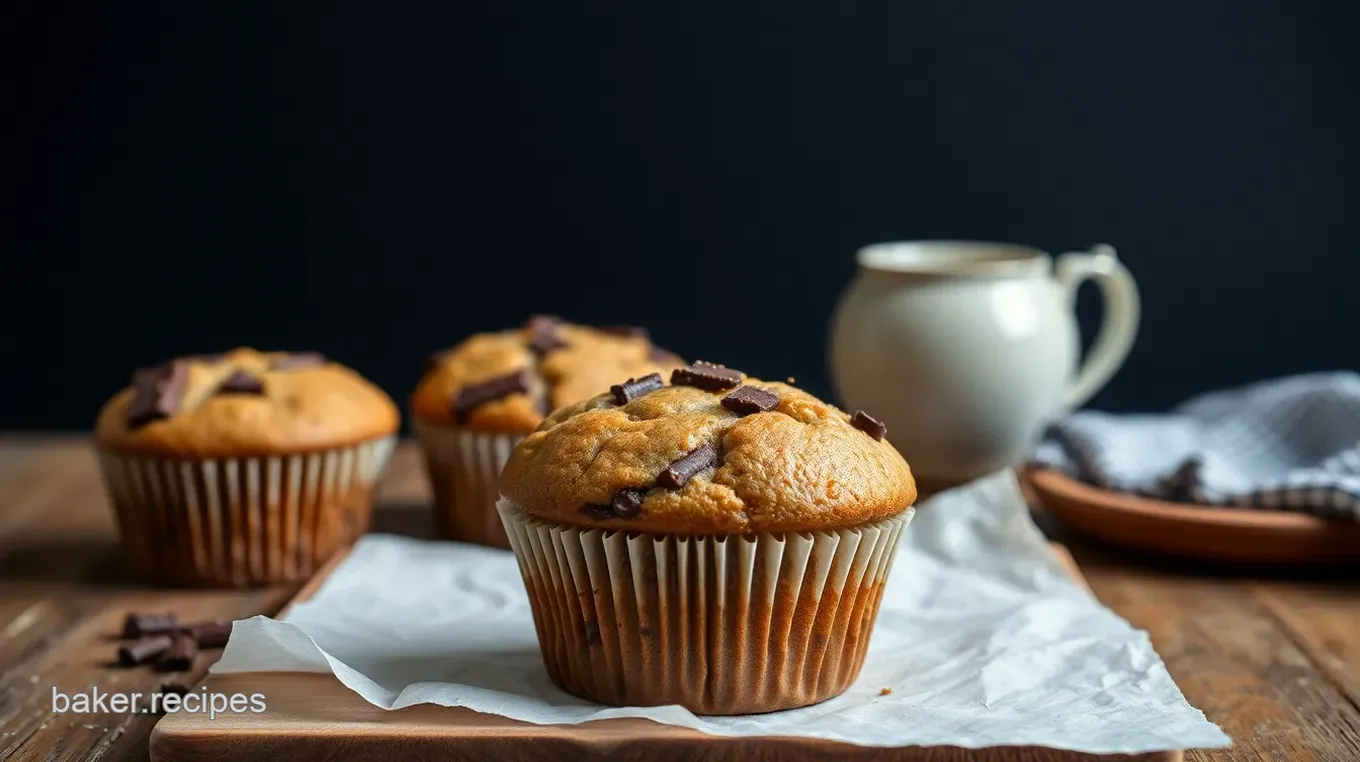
[
  {"x": 244, "y": 403},
  {"x": 713, "y": 453},
  {"x": 506, "y": 382}
]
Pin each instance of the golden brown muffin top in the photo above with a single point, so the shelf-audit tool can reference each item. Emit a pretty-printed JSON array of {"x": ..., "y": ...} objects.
[
  {"x": 245, "y": 403},
  {"x": 680, "y": 459},
  {"x": 506, "y": 382}
]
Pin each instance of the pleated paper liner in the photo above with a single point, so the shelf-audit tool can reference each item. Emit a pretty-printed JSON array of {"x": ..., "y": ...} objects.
[
  {"x": 465, "y": 473},
  {"x": 719, "y": 625},
  {"x": 235, "y": 522}
]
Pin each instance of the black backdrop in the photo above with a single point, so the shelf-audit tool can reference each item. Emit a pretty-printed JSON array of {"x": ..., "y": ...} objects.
[{"x": 375, "y": 183}]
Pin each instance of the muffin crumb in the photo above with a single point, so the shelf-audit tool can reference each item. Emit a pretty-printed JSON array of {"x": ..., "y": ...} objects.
[{"x": 885, "y": 691}]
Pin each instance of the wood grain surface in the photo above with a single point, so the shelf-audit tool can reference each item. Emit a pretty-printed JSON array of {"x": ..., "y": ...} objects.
[
  {"x": 315, "y": 717},
  {"x": 1270, "y": 655}
]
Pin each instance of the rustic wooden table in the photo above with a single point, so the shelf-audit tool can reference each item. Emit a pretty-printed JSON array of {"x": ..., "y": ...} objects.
[{"x": 1273, "y": 658}]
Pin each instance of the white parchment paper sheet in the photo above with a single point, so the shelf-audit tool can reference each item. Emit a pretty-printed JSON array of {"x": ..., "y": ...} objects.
[{"x": 982, "y": 638}]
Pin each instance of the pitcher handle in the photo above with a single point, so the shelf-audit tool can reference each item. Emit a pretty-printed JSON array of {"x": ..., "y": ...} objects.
[{"x": 1120, "y": 325}]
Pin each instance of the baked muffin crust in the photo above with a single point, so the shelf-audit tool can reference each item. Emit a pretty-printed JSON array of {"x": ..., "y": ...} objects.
[
  {"x": 247, "y": 403},
  {"x": 582, "y": 362},
  {"x": 799, "y": 466}
]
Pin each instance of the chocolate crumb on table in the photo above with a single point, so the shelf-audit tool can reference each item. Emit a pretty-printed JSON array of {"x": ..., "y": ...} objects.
[
  {"x": 143, "y": 651},
  {"x": 180, "y": 655},
  {"x": 209, "y": 634},
  {"x": 136, "y": 625}
]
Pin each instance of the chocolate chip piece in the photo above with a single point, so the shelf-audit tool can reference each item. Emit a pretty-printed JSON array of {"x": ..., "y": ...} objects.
[
  {"x": 298, "y": 361},
  {"x": 470, "y": 397},
  {"x": 679, "y": 472},
  {"x": 598, "y": 512},
  {"x": 627, "y": 502},
  {"x": 706, "y": 375},
  {"x": 137, "y": 625},
  {"x": 745, "y": 400},
  {"x": 143, "y": 651},
  {"x": 209, "y": 634},
  {"x": 180, "y": 655},
  {"x": 157, "y": 392},
  {"x": 241, "y": 382},
  {"x": 636, "y": 387},
  {"x": 543, "y": 335},
  {"x": 869, "y": 425},
  {"x": 626, "y": 331}
]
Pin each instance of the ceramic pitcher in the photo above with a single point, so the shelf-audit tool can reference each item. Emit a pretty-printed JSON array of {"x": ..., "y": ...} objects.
[{"x": 966, "y": 350}]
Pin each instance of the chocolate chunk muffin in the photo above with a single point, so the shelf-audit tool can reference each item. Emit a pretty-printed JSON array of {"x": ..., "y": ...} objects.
[
  {"x": 719, "y": 542},
  {"x": 477, "y": 400},
  {"x": 242, "y": 468}
]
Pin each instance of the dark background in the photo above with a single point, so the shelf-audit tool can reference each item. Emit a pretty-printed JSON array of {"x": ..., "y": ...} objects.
[{"x": 376, "y": 183}]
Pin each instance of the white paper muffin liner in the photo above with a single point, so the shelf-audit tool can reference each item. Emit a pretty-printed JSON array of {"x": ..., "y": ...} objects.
[
  {"x": 465, "y": 475},
  {"x": 234, "y": 522},
  {"x": 719, "y": 625}
]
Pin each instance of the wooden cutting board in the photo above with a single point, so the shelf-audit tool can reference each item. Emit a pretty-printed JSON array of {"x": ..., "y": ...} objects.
[{"x": 315, "y": 717}]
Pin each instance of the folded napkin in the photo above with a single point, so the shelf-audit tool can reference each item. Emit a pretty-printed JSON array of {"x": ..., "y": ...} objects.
[{"x": 1288, "y": 444}]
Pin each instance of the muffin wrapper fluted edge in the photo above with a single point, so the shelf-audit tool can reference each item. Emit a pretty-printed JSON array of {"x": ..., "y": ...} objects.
[
  {"x": 719, "y": 625},
  {"x": 465, "y": 475},
  {"x": 234, "y": 522}
]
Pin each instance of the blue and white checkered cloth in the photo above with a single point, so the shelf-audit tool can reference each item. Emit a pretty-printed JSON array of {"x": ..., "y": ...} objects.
[{"x": 1290, "y": 444}]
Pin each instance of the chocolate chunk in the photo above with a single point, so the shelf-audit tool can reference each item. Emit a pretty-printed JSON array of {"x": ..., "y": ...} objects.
[
  {"x": 745, "y": 400},
  {"x": 470, "y": 397},
  {"x": 143, "y": 651},
  {"x": 546, "y": 340},
  {"x": 598, "y": 512},
  {"x": 636, "y": 387},
  {"x": 706, "y": 375},
  {"x": 157, "y": 392},
  {"x": 140, "y": 625},
  {"x": 180, "y": 655},
  {"x": 543, "y": 335},
  {"x": 660, "y": 356},
  {"x": 241, "y": 382},
  {"x": 626, "y": 331},
  {"x": 298, "y": 361},
  {"x": 209, "y": 634},
  {"x": 627, "y": 502},
  {"x": 679, "y": 472},
  {"x": 868, "y": 424}
]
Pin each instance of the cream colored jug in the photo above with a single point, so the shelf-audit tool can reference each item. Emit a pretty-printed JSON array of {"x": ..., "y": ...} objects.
[{"x": 966, "y": 349}]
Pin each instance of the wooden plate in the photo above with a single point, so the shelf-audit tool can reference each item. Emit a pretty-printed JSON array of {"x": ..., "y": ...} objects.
[{"x": 1194, "y": 531}]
